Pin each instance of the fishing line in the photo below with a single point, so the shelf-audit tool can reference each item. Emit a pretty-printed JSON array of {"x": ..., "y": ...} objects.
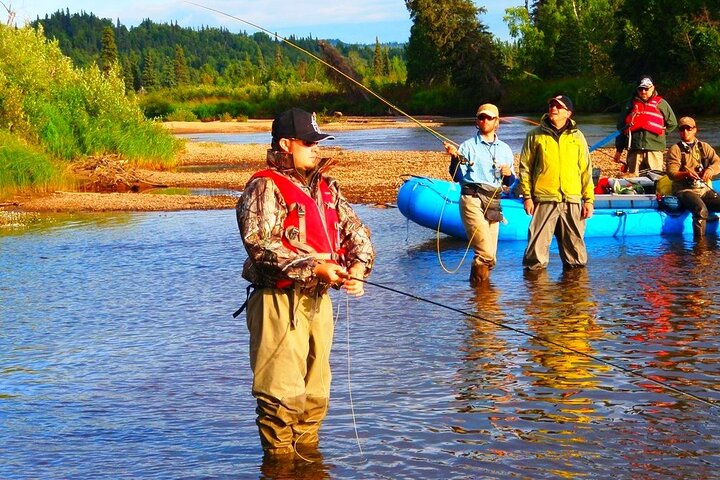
[
  {"x": 352, "y": 404},
  {"x": 544, "y": 340},
  {"x": 435, "y": 133},
  {"x": 446, "y": 200}
]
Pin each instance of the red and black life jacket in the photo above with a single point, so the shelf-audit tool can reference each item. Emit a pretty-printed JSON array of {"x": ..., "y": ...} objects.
[
  {"x": 646, "y": 116},
  {"x": 307, "y": 229}
]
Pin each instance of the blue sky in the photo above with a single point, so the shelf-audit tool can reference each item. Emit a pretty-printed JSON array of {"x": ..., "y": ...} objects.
[{"x": 352, "y": 21}]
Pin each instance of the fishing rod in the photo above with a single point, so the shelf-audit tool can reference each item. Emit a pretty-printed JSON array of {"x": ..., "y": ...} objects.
[
  {"x": 542, "y": 339},
  {"x": 435, "y": 133}
]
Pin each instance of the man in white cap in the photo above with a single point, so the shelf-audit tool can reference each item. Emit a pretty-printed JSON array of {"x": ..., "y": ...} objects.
[
  {"x": 644, "y": 122},
  {"x": 691, "y": 166},
  {"x": 482, "y": 165},
  {"x": 557, "y": 186},
  {"x": 302, "y": 237}
]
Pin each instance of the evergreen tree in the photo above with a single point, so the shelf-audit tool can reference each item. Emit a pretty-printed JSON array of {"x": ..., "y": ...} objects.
[
  {"x": 149, "y": 79},
  {"x": 182, "y": 74},
  {"x": 678, "y": 47},
  {"x": 109, "y": 53},
  {"x": 426, "y": 64},
  {"x": 378, "y": 59},
  {"x": 128, "y": 73},
  {"x": 167, "y": 75},
  {"x": 449, "y": 44},
  {"x": 386, "y": 61}
]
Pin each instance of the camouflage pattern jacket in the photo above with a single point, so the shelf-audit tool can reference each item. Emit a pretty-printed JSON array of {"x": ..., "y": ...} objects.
[{"x": 261, "y": 213}]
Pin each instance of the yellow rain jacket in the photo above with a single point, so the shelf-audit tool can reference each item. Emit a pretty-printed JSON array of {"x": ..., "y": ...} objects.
[{"x": 556, "y": 167}]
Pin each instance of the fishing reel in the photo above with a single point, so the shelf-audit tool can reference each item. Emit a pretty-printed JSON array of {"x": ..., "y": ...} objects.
[{"x": 464, "y": 161}]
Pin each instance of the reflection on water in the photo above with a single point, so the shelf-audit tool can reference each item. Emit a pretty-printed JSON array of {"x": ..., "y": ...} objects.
[
  {"x": 119, "y": 356},
  {"x": 562, "y": 315}
]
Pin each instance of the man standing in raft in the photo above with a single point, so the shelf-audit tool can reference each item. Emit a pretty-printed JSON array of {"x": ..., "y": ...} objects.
[
  {"x": 482, "y": 165},
  {"x": 302, "y": 237},
  {"x": 644, "y": 122},
  {"x": 556, "y": 181}
]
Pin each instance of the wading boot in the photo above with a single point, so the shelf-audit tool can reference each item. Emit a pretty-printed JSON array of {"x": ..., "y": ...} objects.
[
  {"x": 699, "y": 227},
  {"x": 479, "y": 274}
]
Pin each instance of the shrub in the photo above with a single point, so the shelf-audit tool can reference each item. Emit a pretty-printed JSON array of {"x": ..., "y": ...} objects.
[
  {"x": 182, "y": 114},
  {"x": 65, "y": 113}
]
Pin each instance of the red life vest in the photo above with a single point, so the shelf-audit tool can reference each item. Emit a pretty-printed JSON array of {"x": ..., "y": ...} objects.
[
  {"x": 646, "y": 116},
  {"x": 307, "y": 229}
]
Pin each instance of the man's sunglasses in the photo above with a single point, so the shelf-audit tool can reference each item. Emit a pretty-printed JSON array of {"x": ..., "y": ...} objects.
[
  {"x": 486, "y": 117},
  {"x": 685, "y": 128},
  {"x": 643, "y": 89}
]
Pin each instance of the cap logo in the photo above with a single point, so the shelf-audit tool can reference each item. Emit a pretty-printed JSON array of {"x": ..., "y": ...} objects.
[{"x": 314, "y": 124}]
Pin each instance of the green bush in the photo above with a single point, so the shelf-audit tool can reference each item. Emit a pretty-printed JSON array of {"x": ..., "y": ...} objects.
[
  {"x": 156, "y": 108},
  {"x": 206, "y": 112},
  {"x": 181, "y": 115},
  {"x": 65, "y": 113},
  {"x": 707, "y": 98},
  {"x": 594, "y": 94}
]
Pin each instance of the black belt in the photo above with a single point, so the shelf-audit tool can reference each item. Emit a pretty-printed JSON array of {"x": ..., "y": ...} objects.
[{"x": 477, "y": 189}]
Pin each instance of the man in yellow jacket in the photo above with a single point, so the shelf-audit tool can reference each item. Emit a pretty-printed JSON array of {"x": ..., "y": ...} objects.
[{"x": 556, "y": 181}]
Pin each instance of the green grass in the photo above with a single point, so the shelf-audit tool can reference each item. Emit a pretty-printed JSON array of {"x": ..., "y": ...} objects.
[{"x": 24, "y": 168}]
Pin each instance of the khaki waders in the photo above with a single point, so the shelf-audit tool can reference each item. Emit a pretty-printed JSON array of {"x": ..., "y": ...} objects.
[{"x": 290, "y": 340}]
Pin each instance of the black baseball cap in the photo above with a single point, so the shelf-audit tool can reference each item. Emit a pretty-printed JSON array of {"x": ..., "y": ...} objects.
[
  {"x": 297, "y": 123},
  {"x": 562, "y": 100}
]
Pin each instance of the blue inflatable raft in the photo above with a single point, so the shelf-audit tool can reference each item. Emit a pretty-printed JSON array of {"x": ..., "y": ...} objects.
[{"x": 434, "y": 203}]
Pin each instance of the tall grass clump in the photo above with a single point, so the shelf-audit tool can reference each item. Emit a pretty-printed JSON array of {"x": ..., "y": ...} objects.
[
  {"x": 23, "y": 168},
  {"x": 70, "y": 113}
]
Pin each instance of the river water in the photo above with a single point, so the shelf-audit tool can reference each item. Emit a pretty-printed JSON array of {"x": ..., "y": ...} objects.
[
  {"x": 512, "y": 131},
  {"x": 119, "y": 358}
]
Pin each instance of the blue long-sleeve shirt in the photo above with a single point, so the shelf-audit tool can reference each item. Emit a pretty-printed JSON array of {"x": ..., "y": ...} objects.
[{"x": 486, "y": 158}]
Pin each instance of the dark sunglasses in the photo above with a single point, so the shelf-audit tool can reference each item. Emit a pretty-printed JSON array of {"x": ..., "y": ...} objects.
[
  {"x": 306, "y": 142},
  {"x": 685, "y": 128},
  {"x": 643, "y": 89},
  {"x": 486, "y": 117}
]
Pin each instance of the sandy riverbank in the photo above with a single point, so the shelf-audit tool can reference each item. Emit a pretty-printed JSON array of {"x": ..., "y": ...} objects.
[
  {"x": 365, "y": 177},
  {"x": 331, "y": 124}
]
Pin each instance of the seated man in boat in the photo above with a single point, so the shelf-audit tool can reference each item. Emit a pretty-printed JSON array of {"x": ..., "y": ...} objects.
[
  {"x": 482, "y": 165},
  {"x": 557, "y": 186},
  {"x": 691, "y": 166}
]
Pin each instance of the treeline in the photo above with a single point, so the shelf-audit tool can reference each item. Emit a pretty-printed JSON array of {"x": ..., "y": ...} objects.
[
  {"x": 593, "y": 50},
  {"x": 197, "y": 64}
]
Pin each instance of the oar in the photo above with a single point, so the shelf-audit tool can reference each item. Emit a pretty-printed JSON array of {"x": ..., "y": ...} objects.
[{"x": 605, "y": 140}]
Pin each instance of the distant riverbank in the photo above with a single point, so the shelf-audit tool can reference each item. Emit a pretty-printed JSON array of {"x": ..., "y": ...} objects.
[
  {"x": 223, "y": 169},
  {"x": 265, "y": 125}
]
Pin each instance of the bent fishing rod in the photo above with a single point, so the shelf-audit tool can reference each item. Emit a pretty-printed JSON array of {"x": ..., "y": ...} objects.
[
  {"x": 614, "y": 365},
  {"x": 435, "y": 133}
]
